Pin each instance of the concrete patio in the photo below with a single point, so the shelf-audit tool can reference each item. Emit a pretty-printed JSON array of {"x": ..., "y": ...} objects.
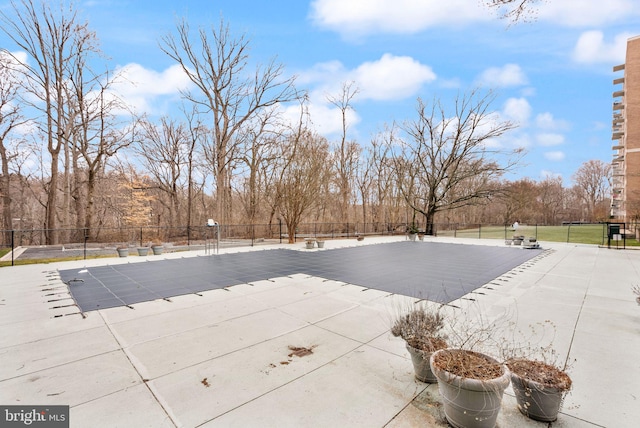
[{"x": 301, "y": 350}]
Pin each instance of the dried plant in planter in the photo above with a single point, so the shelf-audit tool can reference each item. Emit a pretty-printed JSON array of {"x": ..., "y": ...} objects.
[
  {"x": 538, "y": 382},
  {"x": 469, "y": 364},
  {"x": 470, "y": 381},
  {"x": 421, "y": 329},
  {"x": 545, "y": 374},
  {"x": 471, "y": 385},
  {"x": 636, "y": 291},
  {"x": 539, "y": 387}
]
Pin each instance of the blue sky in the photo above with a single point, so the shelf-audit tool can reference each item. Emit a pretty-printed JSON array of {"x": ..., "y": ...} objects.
[{"x": 553, "y": 76}]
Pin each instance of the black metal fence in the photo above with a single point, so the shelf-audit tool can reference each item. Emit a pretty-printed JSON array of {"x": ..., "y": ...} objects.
[
  {"x": 194, "y": 237},
  {"x": 188, "y": 235}
]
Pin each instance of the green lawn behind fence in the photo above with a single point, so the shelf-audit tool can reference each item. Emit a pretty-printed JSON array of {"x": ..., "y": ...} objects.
[{"x": 576, "y": 233}]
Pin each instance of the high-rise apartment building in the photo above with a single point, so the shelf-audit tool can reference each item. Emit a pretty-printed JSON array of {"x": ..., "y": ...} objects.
[{"x": 625, "y": 201}]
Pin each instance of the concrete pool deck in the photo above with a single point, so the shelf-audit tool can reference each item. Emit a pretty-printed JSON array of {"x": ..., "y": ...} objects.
[{"x": 301, "y": 350}]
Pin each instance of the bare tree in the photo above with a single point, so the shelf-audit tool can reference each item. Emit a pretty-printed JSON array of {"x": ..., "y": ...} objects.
[
  {"x": 258, "y": 149},
  {"x": 216, "y": 64},
  {"x": 515, "y": 10},
  {"x": 519, "y": 201},
  {"x": 382, "y": 169},
  {"x": 164, "y": 149},
  {"x": 302, "y": 177},
  {"x": 364, "y": 180},
  {"x": 56, "y": 43},
  {"x": 10, "y": 118},
  {"x": 451, "y": 160},
  {"x": 97, "y": 136},
  {"x": 196, "y": 137},
  {"x": 551, "y": 200},
  {"x": 593, "y": 181},
  {"x": 346, "y": 152}
]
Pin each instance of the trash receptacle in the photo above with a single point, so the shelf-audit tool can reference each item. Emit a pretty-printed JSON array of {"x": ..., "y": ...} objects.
[{"x": 614, "y": 229}]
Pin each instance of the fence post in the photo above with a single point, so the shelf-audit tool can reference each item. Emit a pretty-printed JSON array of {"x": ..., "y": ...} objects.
[
  {"x": 568, "y": 232},
  {"x": 479, "y": 230},
  {"x": 12, "y": 244},
  {"x": 86, "y": 236},
  {"x": 141, "y": 236}
]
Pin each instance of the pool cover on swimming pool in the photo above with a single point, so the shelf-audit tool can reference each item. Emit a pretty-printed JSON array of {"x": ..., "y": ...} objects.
[{"x": 439, "y": 272}]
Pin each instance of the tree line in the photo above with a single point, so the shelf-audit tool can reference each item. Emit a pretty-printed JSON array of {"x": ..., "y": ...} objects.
[{"x": 75, "y": 156}]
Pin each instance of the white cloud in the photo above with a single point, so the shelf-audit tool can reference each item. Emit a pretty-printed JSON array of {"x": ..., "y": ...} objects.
[
  {"x": 586, "y": 13},
  {"x": 550, "y": 139},
  {"x": 357, "y": 17},
  {"x": 325, "y": 118},
  {"x": 554, "y": 156},
  {"x": 502, "y": 77},
  {"x": 547, "y": 122},
  {"x": 388, "y": 78},
  {"x": 140, "y": 87},
  {"x": 592, "y": 48},
  {"x": 361, "y": 17},
  {"x": 517, "y": 110},
  {"x": 522, "y": 140},
  {"x": 391, "y": 77}
]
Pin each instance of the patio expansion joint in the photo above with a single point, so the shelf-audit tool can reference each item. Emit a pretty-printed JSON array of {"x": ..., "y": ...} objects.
[
  {"x": 132, "y": 361},
  {"x": 575, "y": 325},
  {"x": 56, "y": 366}
]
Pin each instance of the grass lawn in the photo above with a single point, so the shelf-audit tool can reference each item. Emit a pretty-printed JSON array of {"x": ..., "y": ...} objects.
[{"x": 579, "y": 234}]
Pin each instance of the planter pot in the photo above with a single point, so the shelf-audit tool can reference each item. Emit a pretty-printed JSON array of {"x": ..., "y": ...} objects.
[
  {"x": 143, "y": 251},
  {"x": 421, "y": 237},
  {"x": 157, "y": 250},
  {"x": 412, "y": 236},
  {"x": 123, "y": 252},
  {"x": 536, "y": 401},
  {"x": 320, "y": 244},
  {"x": 310, "y": 244},
  {"x": 421, "y": 365},
  {"x": 470, "y": 403},
  {"x": 360, "y": 238}
]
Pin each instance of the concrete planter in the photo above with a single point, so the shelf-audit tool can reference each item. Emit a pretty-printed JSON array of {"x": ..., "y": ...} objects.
[
  {"x": 467, "y": 402},
  {"x": 538, "y": 401},
  {"x": 122, "y": 252},
  {"x": 320, "y": 244},
  {"x": 421, "y": 365},
  {"x": 157, "y": 249},
  {"x": 143, "y": 251}
]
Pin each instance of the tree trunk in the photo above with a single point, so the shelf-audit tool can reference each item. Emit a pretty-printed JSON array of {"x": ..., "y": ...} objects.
[
  {"x": 89, "y": 211},
  {"x": 291, "y": 231},
  {"x": 430, "y": 226},
  {"x": 52, "y": 201},
  {"x": 5, "y": 185}
]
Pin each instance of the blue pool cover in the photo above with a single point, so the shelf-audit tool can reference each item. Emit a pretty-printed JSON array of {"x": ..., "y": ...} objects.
[{"x": 439, "y": 272}]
